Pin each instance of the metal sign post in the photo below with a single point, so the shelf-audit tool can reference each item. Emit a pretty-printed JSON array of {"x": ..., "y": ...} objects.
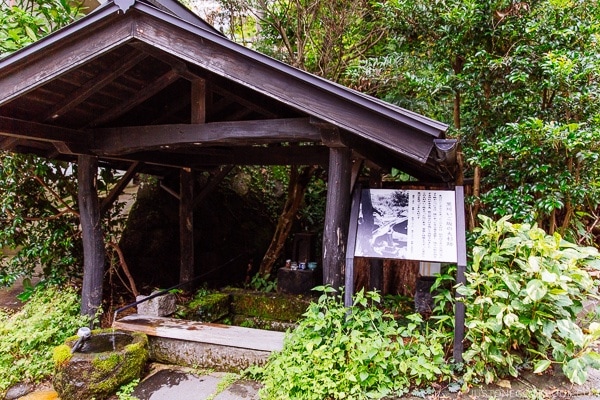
[{"x": 422, "y": 225}]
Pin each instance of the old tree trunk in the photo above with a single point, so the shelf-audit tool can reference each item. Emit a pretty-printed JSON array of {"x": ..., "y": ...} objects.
[{"x": 299, "y": 180}]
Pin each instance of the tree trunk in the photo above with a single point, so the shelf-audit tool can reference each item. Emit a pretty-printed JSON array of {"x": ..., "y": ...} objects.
[{"x": 299, "y": 181}]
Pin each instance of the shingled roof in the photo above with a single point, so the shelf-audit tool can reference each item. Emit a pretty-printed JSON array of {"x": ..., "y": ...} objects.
[{"x": 150, "y": 81}]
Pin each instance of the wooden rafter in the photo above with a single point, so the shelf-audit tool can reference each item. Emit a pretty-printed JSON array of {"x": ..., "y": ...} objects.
[
  {"x": 41, "y": 132},
  {"x": 114, "y": 141},
  {"x": 8, "y": 143},
  {"x": 141, "y": 96},
  {"x": 94, "y": 84},
  {"x": 120, "y": 186},
  {"x": 65, "y": 58}
]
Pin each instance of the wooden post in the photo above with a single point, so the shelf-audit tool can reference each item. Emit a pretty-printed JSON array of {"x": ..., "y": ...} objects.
[
  {"x": 186, "y": 191},
  {"x": 198, "y": 101},
  {"x": 461, "y": 265},
  {"x": 186, "y": 225},
  {"x": 93, "y": 242},
  {"x": 337, "y": 215}
]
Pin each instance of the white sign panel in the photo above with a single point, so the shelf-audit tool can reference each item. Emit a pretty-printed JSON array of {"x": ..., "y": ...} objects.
[{"x": 407, "y": 224}]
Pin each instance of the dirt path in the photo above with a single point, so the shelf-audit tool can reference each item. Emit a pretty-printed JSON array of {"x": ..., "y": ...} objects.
[{"x": 8, "y": 296}]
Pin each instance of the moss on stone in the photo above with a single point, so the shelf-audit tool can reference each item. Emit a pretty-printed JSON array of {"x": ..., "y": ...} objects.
[
  {"x": 61, "y": 354},
  {"x": 208, "y": 307},
  {"x": 261, "y": 323},
  {"x": 269, "y": 306},
  {"x": 99, "y": 375}
]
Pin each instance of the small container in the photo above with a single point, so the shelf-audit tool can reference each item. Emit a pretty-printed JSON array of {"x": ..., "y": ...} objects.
[
  {"x": 288, "y": 263},
  {"x": 302, "y": 265},
  {"x": 312, "y": 265},
  {"x": 294, "y": 265}
]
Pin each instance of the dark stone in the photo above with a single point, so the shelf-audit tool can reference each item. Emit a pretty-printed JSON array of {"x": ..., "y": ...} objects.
[
  {"x": 208, "y": 308},
  {"x": 18, "y": 390},
  {"x": 296, "y": 281},
  {"x": 269, "y": 306},
  {"x": 231, "y": 236},
  {"x": 423, "y": 296}
]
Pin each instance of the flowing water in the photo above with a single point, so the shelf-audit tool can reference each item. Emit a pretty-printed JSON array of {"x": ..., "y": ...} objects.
[{"x": 104, "y": 342}]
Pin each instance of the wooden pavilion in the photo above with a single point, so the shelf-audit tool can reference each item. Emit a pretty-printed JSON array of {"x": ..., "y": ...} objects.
[{"x": 146, "y": 85}]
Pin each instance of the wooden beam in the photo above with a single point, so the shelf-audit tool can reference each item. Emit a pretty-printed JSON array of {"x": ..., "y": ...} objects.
[
  {"x": 203, "y": 158},
  {"x": 198, "y": 101},
  {"x": 148, "y": 91},
  {"x": 244, "y": 101},
  {"x": 115, "y": 141},
  {"x": 21, "y": 129},
  {"x": 186, "y": 226},
  {"x": 367, "y": 117},
  {"x": 337, "y": 215},
  {"x": 116, "y": 191},
  {"x": 93, "y": 242},
  {"x": 94, "y": 84},
  {"x": 330, "y": 134}
]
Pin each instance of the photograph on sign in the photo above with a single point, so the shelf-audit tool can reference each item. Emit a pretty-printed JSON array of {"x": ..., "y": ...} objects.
[{"x": 407, "y": 224}]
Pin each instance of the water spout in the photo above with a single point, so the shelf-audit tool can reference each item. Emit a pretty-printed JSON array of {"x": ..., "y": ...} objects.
[{"x": 84, "y": 334}]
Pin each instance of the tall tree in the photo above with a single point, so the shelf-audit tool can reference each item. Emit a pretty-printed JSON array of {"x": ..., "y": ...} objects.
[
  {"x": 319, "y": 36},
  {"x": 518, "y": 81}
]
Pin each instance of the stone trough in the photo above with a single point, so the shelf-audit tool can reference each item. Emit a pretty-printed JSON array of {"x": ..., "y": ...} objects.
[{"x": 199, "y": 344}]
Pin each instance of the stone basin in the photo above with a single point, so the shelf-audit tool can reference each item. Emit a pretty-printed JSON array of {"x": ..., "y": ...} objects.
[{"x": 105, "y": 362}]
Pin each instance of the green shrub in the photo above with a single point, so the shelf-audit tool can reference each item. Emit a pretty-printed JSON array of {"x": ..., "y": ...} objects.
[
  {"x": 365, "y": 354},
  {"x": 523, "y": 293},
  {"x": 28, "y": 337}
]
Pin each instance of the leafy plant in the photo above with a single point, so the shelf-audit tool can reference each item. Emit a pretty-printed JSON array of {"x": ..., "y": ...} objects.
[
  {"x": 125, "y": 392},
  {"x": 523, "y": 292},
  {"x": 25, "y": 21},
  {"x": 263, "y": 283},
  {"x": 223, "y": 384},
  {"x": 28, "y": 337},
  {"x": 39, "y": 218},
  {"x": 356, "y": 353}
]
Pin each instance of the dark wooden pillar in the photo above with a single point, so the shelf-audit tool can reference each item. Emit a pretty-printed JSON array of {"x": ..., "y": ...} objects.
[
  {"x": 93, "y": 241},
  {"x": 337, "y": 214},
  {"x": 198, "y": 101},
  {"x": 186, "y": 191},
  {"x": 186, "y": 225}
]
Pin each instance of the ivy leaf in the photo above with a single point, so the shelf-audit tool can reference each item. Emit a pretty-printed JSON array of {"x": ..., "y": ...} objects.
[
  {"x": 593, "y": 359},
  {"x": 511, "y": 283},
  {"x": 536, "y": 290},
  {"x": 549, "y": 277},
  {"x": 534, "y": 264},
  {"x": 541, "y": 366},
  {"x": 576, "y": 371},
  {"x": 569, "y": 330}
]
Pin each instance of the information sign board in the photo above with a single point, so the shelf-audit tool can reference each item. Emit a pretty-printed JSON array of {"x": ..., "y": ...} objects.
[{"x": 407, "y": 224}]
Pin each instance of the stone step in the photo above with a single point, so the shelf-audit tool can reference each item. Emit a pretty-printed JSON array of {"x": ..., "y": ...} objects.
[{"x": 200, "y": 344}]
